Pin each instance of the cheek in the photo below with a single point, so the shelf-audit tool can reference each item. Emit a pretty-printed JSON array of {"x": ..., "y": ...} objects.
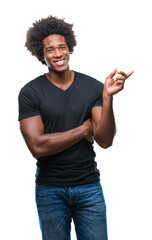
[{"x": 68, "y": 57}]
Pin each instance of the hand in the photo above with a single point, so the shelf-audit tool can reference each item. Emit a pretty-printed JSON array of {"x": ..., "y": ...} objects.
[
  {"x": 88, "y": 131},
  {"x": 113, "y": 86}
]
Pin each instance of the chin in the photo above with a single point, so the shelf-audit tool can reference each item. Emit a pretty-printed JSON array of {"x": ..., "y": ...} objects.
[{"x": 61, "y": 69}]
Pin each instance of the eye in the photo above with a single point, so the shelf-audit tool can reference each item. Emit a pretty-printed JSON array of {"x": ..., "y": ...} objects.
[
  {"x": 63, "y": 47},
  {"x": 50, "y": 50}
]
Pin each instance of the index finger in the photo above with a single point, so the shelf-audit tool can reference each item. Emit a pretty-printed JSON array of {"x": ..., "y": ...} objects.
[{"x": 111, "y": 75}]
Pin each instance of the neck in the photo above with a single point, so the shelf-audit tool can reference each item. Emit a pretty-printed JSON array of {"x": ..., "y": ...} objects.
[{"x": 59, "y": 77}]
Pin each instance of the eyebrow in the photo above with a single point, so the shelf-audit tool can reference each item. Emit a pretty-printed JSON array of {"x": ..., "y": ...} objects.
[{"x": 60, "y": 45}]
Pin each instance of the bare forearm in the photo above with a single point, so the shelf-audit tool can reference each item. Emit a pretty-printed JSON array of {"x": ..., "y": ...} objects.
[
  {"x": 49, "y": 144},
  {"x": 104, "y": 125},
  {"x": 105, "y": 130}
]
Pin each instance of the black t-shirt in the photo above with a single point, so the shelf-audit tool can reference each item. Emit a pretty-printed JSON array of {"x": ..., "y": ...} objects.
[{"x": 62, "y": 110}]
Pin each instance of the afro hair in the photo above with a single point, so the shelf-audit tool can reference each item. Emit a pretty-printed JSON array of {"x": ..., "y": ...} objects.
[{"x": 45, "y": 27}]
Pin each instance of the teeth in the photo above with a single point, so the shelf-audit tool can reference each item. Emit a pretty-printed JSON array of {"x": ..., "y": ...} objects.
[{"x": 59, "y": 62}]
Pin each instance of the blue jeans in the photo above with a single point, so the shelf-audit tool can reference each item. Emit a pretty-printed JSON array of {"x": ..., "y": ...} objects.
[{"x": 85, "y": 204}]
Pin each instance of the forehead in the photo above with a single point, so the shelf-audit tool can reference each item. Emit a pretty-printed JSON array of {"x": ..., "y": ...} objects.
[{"x": 53, "y": 40}]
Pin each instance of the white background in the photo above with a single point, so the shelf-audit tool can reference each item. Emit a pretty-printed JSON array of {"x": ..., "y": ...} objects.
[{"x": 110, "y": 34}]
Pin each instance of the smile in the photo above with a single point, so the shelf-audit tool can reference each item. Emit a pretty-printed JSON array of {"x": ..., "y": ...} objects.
[{"x": 60, "y": 62}]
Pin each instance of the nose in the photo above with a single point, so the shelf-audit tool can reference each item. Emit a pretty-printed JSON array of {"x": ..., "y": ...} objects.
[{"x": 57, "y": 53}]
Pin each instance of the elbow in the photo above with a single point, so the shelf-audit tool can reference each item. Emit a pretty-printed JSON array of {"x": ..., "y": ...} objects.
[
  {"x": 35, "y": 152},
  {"x": 40, "y": 151},
  {"x": 103, "y": 142},
  {"x": 35, "y": 146},
  {"x": 35, "y": 155},
  {"x": 106, "y": 145}
]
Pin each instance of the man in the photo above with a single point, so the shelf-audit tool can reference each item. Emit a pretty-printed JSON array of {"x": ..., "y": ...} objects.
[{"x": 61, "y": 113}]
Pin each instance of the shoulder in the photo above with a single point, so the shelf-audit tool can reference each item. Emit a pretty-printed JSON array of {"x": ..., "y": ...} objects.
[
  {"x": 32, "y": 87},
  {"x": 86, "y": 79},
  {"x": 33, "y": 84}
]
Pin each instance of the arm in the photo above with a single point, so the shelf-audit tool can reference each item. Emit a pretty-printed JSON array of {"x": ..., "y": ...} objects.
[
  {"x": 41, "y": 144},
  {"x": 104, "y": 124},
  {"x": 103, "y": 117}
]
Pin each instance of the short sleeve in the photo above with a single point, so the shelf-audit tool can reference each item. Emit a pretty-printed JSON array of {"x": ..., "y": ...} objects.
[
  {"x": 28, "y": 103},
  {"x": 99, "y": 92}
]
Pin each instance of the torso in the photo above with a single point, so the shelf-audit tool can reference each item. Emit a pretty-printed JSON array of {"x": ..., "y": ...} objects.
[{"x": 63, "y": 109}]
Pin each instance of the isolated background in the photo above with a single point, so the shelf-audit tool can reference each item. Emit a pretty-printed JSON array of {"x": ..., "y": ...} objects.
[{"x": 110, "y": 34}]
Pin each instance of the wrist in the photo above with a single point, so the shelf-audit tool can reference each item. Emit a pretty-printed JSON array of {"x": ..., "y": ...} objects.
[
  {"x": 83, "y": 130},
  {"x": 107, "y": 98}
]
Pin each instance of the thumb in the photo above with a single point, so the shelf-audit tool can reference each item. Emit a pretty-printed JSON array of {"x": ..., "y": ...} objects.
[{"x": 111, "y": 75}]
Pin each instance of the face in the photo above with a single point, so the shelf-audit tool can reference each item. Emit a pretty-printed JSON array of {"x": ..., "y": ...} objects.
[{"x": 56, "y": 52}]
